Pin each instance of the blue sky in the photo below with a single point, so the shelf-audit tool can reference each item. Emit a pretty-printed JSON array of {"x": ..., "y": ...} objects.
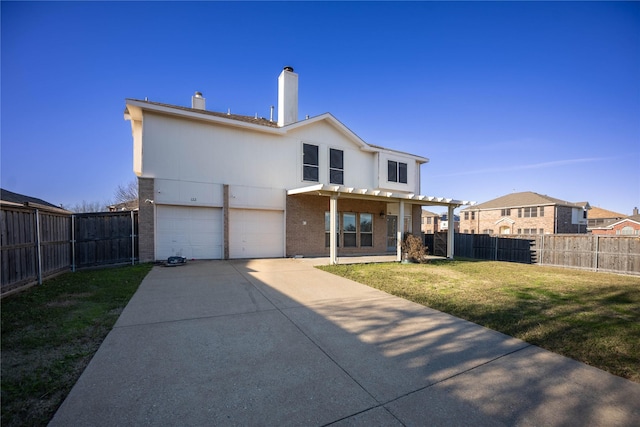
[{"x": 500, "y": 96}]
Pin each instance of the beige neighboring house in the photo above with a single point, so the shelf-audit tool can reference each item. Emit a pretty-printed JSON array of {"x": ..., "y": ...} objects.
[
  {"x": 437, "y": 222},
  {"x": 525, "y": 213},
  {"x": 429, "y": 223}
]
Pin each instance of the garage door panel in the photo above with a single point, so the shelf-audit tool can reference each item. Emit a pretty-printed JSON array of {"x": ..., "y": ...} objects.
[
  {"x": 192, "y": 232},
  {"x": 256, "y": 233}
]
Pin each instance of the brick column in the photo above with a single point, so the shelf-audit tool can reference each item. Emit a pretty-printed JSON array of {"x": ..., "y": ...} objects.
[{"x": 146, "y": 220}]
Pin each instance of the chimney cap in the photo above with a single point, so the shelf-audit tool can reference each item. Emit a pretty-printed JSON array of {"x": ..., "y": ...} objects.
[
  {"x": 198, "y": 94},
  {"x": 288, "y": 68}
]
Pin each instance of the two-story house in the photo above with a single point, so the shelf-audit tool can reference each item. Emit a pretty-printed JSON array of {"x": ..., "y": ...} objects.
[
  {"x": 215, "y": 185},
  {"x": 525, "y": 213},
  {"x": 430, "y": 222}
]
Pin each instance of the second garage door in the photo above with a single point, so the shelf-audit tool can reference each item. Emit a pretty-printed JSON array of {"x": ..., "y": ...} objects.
[{"x": 256, "y": 233}]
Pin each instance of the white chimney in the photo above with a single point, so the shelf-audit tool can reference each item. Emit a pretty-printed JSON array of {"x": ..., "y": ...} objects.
[
  {"x": 287, "y": 97},
  {"x": 197, "y": 101}
]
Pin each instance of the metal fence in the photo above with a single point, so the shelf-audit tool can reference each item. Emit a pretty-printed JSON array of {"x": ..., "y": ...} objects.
[
  {"x": 616, "y": 254},
  {"x": 36, "y": 243}
]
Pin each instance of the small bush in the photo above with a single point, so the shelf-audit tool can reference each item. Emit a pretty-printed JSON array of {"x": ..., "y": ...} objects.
[{"x": 413, "y": 249}]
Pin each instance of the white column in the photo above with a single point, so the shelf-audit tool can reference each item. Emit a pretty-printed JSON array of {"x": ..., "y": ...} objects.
[
  {"x": 450, "y": 231},
  {"x": 333, "y": 230},
  {"x": 400, "y": 231}
]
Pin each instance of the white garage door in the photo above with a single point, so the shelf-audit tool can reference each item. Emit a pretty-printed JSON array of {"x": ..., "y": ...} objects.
[
  {"x": 256, "y": 233},
  {"x": 192, "y": 232}
]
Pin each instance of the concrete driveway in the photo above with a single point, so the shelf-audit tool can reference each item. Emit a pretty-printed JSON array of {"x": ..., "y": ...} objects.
[{"x": 278, "y": 342}]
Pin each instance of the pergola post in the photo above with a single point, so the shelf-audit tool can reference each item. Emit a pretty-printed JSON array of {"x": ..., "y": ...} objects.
[
  {"x": 400, "y": 231},
  {"x": 451, "y": 229},
  {"x": 333, "y": 230}
]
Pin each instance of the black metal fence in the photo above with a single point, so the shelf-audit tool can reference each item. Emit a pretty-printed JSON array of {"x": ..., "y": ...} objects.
[{"x": 37, "y": 243}]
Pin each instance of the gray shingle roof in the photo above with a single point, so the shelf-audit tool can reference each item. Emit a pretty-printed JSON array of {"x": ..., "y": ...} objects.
[
  {"x": 258, "y": 121},
  {"x": 523, "y": 199},
  {"x": 10, "y": 196}
]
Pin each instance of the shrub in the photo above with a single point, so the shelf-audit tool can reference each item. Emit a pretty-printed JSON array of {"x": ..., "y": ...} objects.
[{"x": 414, "y": 249}]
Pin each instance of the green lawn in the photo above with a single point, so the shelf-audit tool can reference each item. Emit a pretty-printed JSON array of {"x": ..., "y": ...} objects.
[
  {"x": 51, "y": 331},
  {"x": 591, "y": 317}
]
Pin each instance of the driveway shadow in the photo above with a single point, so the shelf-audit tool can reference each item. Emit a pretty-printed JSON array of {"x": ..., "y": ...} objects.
[{"x": 278, "y": 342}]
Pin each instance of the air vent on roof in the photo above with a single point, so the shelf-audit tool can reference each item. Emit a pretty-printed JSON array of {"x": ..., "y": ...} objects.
[{"x": 198, "y": 101}]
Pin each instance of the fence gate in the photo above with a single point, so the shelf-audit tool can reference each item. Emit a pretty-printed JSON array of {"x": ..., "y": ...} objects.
[{"x": 440, "y": 244}]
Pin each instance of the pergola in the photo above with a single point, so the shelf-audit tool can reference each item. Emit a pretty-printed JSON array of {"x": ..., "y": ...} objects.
[{"x": 335, "y": 192}]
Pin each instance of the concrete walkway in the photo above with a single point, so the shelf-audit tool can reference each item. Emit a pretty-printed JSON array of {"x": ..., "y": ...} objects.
[{"x": 278, "y": 342}]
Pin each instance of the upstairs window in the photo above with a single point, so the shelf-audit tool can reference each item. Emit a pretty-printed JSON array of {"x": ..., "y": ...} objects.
[
  {"x": 528, "y": 212},
  {"x": 310, "y": 162},
  {"x": 397, "y": 172},
  {"x": 505, "y": 212},
  {"x": 336, "y": 166}
]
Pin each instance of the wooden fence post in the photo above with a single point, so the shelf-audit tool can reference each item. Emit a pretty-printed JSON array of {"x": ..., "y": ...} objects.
[
  {"x": 596, "y": 255},
  {"x": 73, "y": 243},
  {"x": 38, "y": 248},
  {"x": 133, "y": 240}
]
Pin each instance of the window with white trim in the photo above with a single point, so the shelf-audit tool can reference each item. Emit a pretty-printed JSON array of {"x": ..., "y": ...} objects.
[
  {"x": 397, "y": 172},
  {"x": 310, "y": 163},
  {"x": 336, "y": 166}
]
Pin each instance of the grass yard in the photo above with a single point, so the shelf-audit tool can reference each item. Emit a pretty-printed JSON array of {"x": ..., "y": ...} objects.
[
  {"x": 587, "y": 316},
  {"x": 51, "y": 332}
]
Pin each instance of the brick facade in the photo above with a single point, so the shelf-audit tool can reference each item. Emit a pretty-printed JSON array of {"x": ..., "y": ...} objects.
[
  {"x": 146, "y": 238},
  {"x": 631, "y": 228},
  {"x": 555, "y": 219},
  {"x": 306, "y": 225}
]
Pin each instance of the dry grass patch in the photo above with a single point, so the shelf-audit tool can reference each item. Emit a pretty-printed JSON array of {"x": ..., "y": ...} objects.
[{"x": 590, "y": 317}]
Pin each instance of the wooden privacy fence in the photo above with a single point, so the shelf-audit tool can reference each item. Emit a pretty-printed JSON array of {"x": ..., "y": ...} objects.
[
  {"x": 616, "y": 254},
  {"x": 36, "y": 243}
]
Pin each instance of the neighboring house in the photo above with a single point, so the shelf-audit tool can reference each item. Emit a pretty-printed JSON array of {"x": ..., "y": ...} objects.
[
  {"x": 437, "y": 222},
  {"x": 629, "y": 226},
  {"x": 9, "y": 198},
  {"x": 444, "y": 223},
  {"x": 217, "y": 185},
  {"x": 430, "y": 222},
  {"x": 598, "y": 217},
  {"x": 525, "y": 213},
  {"x": 131, "y": 205}
]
